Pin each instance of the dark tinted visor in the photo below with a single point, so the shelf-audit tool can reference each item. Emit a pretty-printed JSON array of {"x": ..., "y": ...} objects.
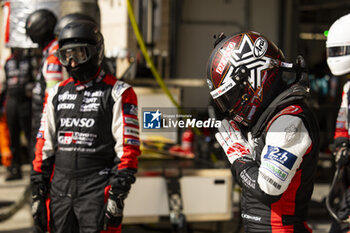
[
  {"x": 227, "y": 95},
  {"x": 80, "y": 53},
  {"x": 338, "y": 51}
]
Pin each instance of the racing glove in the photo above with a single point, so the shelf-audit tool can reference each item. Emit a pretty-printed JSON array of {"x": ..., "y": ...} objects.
[
  {"x": 340, "y": 148},
  {"x": 39, "y": 211},
  {"x": 342, "y": 156},
  {"x": 114, "y": 209},
  {"x": 232, "y": 141},
  {"x": 117, "y": 194}
]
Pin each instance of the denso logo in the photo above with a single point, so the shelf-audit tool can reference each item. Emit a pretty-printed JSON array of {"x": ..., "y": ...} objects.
[
  {"x": 77, "y": 122},
  {"x": 67, "y": 96},
  {"x": 225, "y": 57}
]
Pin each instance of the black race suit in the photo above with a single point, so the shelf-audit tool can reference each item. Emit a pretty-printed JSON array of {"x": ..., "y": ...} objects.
[
  {"x": 277, "y": 184},
  {"x": 88, "y": 134},
  {"x": 18, "y": 85}
]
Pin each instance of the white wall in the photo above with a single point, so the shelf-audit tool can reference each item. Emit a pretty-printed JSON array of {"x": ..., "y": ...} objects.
[{"x": 114, "y": 24}]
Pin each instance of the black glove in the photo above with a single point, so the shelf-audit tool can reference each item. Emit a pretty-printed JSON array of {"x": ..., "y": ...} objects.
[
  {"x": 39, "y": 210},
  {"x": 114, "y": 210},
  {"x": 338, "y": 143},
  {"x": 342, "y": 156},
  {"x": 121, "y": 184}
]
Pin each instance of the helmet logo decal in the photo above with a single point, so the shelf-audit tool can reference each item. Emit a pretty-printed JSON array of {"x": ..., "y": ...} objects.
[
  {"x": 243, "y": 56},
  {"x": 260, "y": 47},
  {"x": 222, "y": 89},
  {"x": 225, "y": 57}
]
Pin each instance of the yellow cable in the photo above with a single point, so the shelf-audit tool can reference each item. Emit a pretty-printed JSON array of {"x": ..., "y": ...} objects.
[
  {"x": 147, "y": 57},
  {"x": 149, "y": 61}
]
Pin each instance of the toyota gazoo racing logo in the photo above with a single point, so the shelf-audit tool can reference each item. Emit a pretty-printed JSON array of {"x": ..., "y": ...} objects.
[
  {"x": 65, "y": 137},
  {"x": 72, "y": 137},
  {"x": 77, "y": 122}
]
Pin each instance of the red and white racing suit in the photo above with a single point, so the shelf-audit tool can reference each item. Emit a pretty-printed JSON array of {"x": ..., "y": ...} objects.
[
  {"x": 277, "y": 181},
  {"x": 50, "y": 74},
  {"x": 89, "y": 133},
  {"x": 341, "y": 139},
  {"x": 342, "y": 126}
]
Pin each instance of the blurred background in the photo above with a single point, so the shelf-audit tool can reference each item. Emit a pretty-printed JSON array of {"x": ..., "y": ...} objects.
[{"x": 178, "y": 35}]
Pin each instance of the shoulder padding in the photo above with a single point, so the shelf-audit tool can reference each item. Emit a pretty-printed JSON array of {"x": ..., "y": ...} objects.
[
  {"x": 290, "y": 110},
  {"x": 119, "y": 88}
]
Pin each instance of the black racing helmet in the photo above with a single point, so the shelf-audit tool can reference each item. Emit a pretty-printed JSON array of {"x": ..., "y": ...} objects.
[
  {"x": 40, "y": 26},
  {"x": 244, "y": 75},
  {"x": 82, "y": 41},
  {"x": 67, "y": 19}
]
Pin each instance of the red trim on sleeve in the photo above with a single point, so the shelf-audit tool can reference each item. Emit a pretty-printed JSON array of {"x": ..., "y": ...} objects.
[
  {"x": 130, "y": 152},
  {"x": 285, "y": 206},
  {"x": 38, "y": 160}
]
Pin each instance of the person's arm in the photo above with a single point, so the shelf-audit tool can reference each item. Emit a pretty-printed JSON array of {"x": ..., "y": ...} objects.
[
  {"x": 45, "y": 144},
  {"x": 125, "y": 129},
  {"x": 341, "y": 134},
  {"x": 52, "y": 71},
  {"x": 43, "y": 164},
  {"x": 287, "y": 141}
]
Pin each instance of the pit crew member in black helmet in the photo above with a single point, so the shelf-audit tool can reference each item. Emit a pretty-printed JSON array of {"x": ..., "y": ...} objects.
[
  {"x": 270, "y": 136},
  {"x": 107, "y": 63},
  {"x": 89, "y": 136},
  {"x": 69, "y": 18},
  {"x": 40, "y": 28},
  {"x": 18, "y": 87}
]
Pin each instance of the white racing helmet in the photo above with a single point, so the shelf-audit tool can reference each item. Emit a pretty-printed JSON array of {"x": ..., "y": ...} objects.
[{"x": 338, "y": 46}]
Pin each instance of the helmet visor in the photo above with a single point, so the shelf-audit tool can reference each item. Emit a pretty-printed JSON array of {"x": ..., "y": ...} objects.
[
  {"x": 338, "y": 51},
  {"x": 80, "y": 53},
  {"x": 227, "y": 95}
]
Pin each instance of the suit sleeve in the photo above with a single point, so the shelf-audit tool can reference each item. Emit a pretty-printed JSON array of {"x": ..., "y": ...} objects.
[
  {"x": 125, "y": 126},
  {"x": 45, "y": 143},
  {"x": 52, "y": 71},
  {"x": 341, "y": 129},
  {"x": 287, "y": 141}
]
